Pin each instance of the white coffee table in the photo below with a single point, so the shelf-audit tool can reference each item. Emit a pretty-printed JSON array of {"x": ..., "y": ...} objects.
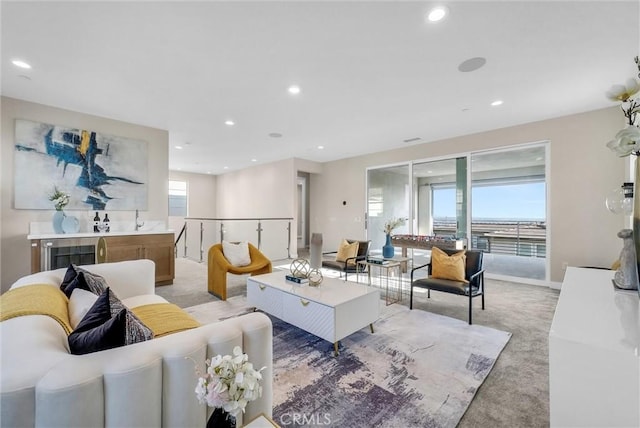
[{"x": 332, "y": 311}]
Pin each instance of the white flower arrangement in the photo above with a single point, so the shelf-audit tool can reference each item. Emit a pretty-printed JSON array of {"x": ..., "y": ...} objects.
[
  {"x": 230, "y": 382},
  {"x": 627, "y": 140},
  {"x": 392, "y": 224},
  {"x": 59, "y": 198}
]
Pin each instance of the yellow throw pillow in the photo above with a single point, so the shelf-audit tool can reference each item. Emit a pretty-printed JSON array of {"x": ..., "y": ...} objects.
[
  {"x": 444, "y": 266},
  {"x": 346, "y": 251}
]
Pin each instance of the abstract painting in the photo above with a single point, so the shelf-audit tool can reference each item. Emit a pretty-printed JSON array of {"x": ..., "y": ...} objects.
[{"x": 98, "y": 171}]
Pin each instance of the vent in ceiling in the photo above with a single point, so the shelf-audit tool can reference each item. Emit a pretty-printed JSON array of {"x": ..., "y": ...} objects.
[{"x": 412, "y": 140}]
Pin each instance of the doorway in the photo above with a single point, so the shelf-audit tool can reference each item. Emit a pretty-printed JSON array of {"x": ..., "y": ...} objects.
[{"x": 303, "y": 210}]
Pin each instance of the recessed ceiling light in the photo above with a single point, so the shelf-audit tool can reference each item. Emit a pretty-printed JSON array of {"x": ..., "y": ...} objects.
[
  {"x": 294, "y": 89},
  {"x": 496, "y": 103},
  {"x": 472, "y": 64},
  {"x": 254, "y": 160},
  {"x": 437, "y": 14},
  {"x": 320, "y": 147},
  {"x": 208, "y": 172},
  {"x": 229, "y": 122},
  {"x": 225, "y": 167},
  {"x": 20, "y": 63},
  {"x": 179, "y": 147}
]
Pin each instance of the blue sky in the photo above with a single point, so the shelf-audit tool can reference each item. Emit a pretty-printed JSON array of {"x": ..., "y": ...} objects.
[{"x": 517, "y": 201}]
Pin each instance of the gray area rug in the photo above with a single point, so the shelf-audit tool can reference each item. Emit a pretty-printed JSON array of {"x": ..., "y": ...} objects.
[{"x": 417, "y": 370}]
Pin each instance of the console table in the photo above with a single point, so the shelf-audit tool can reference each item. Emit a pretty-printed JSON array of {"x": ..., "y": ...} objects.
[{"x": 594, "y": 353}]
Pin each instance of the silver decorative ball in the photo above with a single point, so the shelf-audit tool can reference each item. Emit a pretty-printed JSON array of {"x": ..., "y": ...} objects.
[
  {"x": 300, "y": 268},
  {"x": 315, "y": 277}
]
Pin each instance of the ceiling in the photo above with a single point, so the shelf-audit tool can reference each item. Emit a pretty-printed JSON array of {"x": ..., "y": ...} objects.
[{"x": 372, "y": 74}]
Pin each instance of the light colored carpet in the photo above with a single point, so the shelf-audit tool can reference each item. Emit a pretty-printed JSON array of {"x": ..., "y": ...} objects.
[
  {"x": 210, "y": 312},
  {"x": 516, "y": 392},
  {"x": 418, "y": 369},
  {"x": 190, "y": 285}
]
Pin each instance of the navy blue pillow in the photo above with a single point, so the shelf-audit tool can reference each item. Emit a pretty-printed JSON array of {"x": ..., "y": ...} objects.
[
  {"x": 86, "y": 281},
  {"x": 98, "y": 314},
  {"x": 78, "y": 282},
  {"x": 110, "y": 334},
  {"x": 99, "y": 329},
  {"x": 69, "y": 276}
]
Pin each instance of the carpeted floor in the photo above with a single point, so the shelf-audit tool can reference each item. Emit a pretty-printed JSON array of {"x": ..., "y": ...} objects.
[{"x": 516, "y": 392}]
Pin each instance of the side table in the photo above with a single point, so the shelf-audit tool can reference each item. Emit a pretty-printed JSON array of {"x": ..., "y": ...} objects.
[{"x": 386, "y": 269}]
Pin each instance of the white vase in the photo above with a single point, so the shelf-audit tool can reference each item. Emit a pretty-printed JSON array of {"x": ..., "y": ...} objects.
[{"x": 58, "y": 217}]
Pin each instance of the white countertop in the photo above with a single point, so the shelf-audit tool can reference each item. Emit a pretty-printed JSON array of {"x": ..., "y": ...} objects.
[
  {"x": 97, "y": 234},
  {"x": 590, "y": 311},
  {"x": 44, "y": 230},
  {"x": 331, "y": 292}
]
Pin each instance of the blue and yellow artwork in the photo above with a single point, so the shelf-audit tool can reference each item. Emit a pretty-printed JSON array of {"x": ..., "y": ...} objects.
[{"x": 98, "y": 171}]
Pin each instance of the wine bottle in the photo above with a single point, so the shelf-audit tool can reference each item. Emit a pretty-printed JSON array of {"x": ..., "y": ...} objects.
[
  {"x": 96, "y": 222},
  {"x": 106, "y": 222}
]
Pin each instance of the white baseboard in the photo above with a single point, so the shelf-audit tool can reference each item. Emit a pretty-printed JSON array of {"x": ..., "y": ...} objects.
[{"x": 529, "y": 281}]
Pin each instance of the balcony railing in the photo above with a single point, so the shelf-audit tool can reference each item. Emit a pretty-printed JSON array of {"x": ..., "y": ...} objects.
[
  {"x": 271, "y": 235},
  {"x": 512, "y": 237}
]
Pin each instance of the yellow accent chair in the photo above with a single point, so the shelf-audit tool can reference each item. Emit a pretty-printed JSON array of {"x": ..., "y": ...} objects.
[{"x": 219, "y": 266}]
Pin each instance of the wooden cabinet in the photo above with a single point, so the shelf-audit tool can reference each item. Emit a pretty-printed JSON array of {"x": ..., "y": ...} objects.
[{"x": 156, "y": 247}]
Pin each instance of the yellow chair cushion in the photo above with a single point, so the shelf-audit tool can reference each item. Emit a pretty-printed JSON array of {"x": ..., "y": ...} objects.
[
  {"x": 347, "y": 251},
  {"x": 444, "y": 266}
]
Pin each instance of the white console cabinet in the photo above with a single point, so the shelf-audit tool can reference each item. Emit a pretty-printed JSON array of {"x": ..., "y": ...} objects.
[{"x": 594, "y": 353}]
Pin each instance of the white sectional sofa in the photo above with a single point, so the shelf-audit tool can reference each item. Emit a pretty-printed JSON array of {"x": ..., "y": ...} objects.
[{"x": 147, "y": 384}]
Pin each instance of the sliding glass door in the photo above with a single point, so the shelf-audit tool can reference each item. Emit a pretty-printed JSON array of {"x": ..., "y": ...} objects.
[
  {"x": 493, "y": 200},
  {"x": 508, "y": 218}
]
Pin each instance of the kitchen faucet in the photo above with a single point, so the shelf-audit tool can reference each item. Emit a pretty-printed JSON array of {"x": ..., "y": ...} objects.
[{"x": 138, "y": 224}]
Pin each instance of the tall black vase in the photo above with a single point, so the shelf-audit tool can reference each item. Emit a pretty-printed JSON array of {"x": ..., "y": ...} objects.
[{"x": 221, "y": 419}]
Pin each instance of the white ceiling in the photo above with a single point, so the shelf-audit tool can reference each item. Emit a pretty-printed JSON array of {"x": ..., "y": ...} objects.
[{"x": 372, "y": 73}]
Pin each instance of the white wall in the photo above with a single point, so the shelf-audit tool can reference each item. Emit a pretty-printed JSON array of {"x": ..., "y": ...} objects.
[
  {"x": 582, "y": 172},
  {"x": 262, "y": 191},
  {"x": 15, "y": 250}
]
